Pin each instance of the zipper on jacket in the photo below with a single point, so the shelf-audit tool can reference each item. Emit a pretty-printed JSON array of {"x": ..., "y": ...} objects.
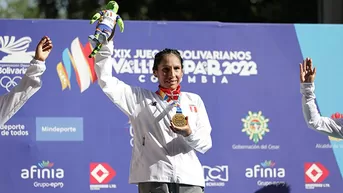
[{"x": 143, "y": 143}]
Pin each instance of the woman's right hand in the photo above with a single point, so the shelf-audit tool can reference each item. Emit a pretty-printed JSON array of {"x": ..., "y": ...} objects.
[{"x": 307, "y": 72}]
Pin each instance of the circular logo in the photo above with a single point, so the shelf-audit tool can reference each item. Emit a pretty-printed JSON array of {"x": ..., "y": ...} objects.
[
  {"x": 9, "y": 82},
  {"x": 255, "y": 125}
]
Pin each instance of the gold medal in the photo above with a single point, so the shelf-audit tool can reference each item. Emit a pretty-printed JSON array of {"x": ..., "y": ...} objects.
[{"x": 179, "y": 120}]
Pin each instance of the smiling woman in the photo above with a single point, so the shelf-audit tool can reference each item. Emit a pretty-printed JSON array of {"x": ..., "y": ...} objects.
[
  {"x": 167, "y": 130},
  {"x": 168, "y": 66}
]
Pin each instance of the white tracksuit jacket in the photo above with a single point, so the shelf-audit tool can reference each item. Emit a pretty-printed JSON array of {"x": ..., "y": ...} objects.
[
  {"x": 158, "y": 154},
  {"x": 326, "y": 125},
  {"x": 30, "y": 83}
]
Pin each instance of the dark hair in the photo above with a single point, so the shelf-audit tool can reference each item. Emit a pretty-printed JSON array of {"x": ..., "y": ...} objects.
[
  {"x": 159, "y": 56},
  {"x": 275, "y": 188}
]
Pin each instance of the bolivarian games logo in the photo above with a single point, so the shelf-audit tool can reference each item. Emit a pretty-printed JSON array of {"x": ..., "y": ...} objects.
[{"x": 101, "y": 175}]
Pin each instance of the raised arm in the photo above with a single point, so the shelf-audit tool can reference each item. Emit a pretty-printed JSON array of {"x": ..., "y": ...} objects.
[
  {"x": 121, "y": 94},
  {"x": 120, "y": 23},
  {"x": 11, "y": 102},
  {"x": 200, "y": 138},
  {"x": 96, "y": 16},
  {"x": 326, "y": 125}
]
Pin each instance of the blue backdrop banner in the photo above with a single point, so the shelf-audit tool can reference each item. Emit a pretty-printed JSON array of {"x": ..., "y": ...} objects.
[{"x": 70, "y": 138}]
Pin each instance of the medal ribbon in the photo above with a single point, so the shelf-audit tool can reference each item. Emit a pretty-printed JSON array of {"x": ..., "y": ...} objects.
[{"x": 168, "y": 95}]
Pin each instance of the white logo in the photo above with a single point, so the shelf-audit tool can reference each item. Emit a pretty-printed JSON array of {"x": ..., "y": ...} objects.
[
  {"x": 44, "y": 174},
  {"x": 16, "y": 50},
  {"x": 260, "y": 172},
  {"x": 314, "y": 169},
  {"x": 102, "y": 169},
  {"x": 8, "y": 83},
  {"x": 266, "y": 170},
  {"x": 200, "y": 66},
  {"x": 13, "y": 130},
  {"x": 217, "y": 175}
]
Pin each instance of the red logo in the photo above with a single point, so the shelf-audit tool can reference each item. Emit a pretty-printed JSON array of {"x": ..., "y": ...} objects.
[
  {"x": 337, "y": 116},
  {"x": 193, "y": 108},
  {"x": 101, "y": 173},
  {"x": 315, "y": 172}
]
